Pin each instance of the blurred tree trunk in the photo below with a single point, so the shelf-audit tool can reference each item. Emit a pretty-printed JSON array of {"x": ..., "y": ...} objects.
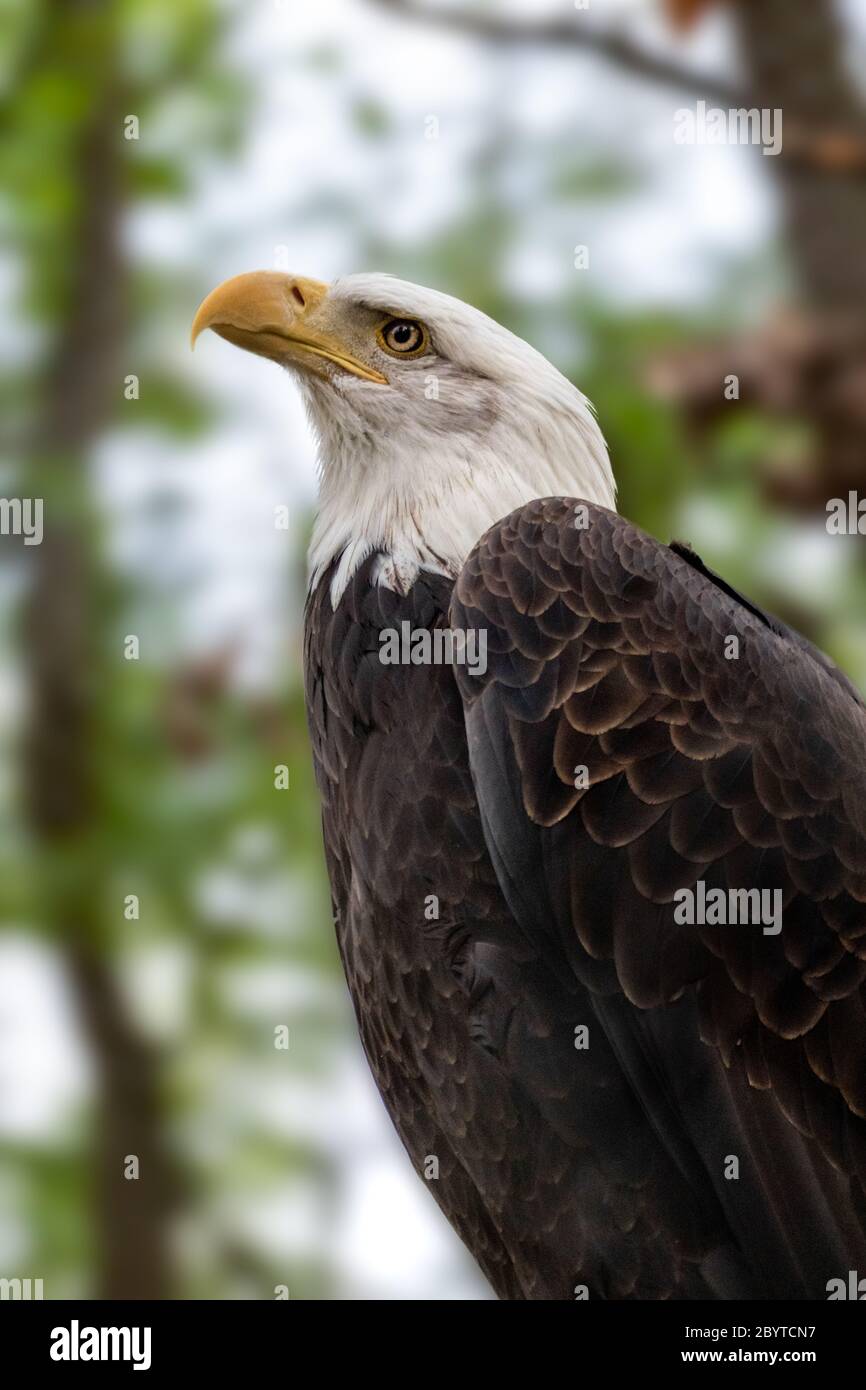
[
  {"x": 795, "y": 60},
  {"x": 82, "y": 382},
  {"x": 795, "y": 55}
]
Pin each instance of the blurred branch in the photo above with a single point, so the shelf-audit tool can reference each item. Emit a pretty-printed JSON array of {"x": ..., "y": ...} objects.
[
  {"x": 798, "y": 366},
  {"x": 611, "y": 44},
  {"x": 830, "y": 149}
]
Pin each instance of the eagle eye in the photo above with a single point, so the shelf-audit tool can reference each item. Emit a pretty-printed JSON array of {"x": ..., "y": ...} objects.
[{"x": 403, "y": 337}]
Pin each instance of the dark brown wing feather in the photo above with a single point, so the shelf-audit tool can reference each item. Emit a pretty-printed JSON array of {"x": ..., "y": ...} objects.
[
  {"x": 610, "y": 651},
  {"x": 551, "y": 1172}
]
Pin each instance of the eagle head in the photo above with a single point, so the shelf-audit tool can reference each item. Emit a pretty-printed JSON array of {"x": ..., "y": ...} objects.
[{"x": 433, "y": 421}]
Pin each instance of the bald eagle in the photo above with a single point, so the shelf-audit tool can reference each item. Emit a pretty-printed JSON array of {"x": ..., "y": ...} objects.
[{"x": 598, "y": 878}]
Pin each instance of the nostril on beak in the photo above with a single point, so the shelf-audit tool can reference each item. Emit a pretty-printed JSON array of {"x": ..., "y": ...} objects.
[{"x": 298, "y": 296}]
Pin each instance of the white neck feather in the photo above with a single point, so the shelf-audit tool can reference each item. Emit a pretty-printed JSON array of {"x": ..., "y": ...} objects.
[{"x": 422, "y": 497}]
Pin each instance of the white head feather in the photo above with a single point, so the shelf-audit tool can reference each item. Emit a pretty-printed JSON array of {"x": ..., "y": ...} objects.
[{"x": 420, "y": 468}]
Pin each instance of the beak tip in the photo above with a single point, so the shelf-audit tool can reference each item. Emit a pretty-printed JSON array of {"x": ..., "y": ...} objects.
[{"x": 199, "y": 324}]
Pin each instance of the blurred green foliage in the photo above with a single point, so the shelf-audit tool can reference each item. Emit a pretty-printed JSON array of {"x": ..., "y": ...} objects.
[{"x": 180, "y": 764}]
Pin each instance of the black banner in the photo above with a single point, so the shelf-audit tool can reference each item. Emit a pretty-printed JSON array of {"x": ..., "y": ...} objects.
[{"x": 233, "y": 1338}]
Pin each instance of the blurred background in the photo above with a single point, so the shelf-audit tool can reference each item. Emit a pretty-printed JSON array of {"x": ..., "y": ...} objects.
[{"x": 163, "y": 906}]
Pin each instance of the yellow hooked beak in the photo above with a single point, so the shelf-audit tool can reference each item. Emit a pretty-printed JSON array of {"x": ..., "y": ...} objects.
[{"x": 274, "y": 315}]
